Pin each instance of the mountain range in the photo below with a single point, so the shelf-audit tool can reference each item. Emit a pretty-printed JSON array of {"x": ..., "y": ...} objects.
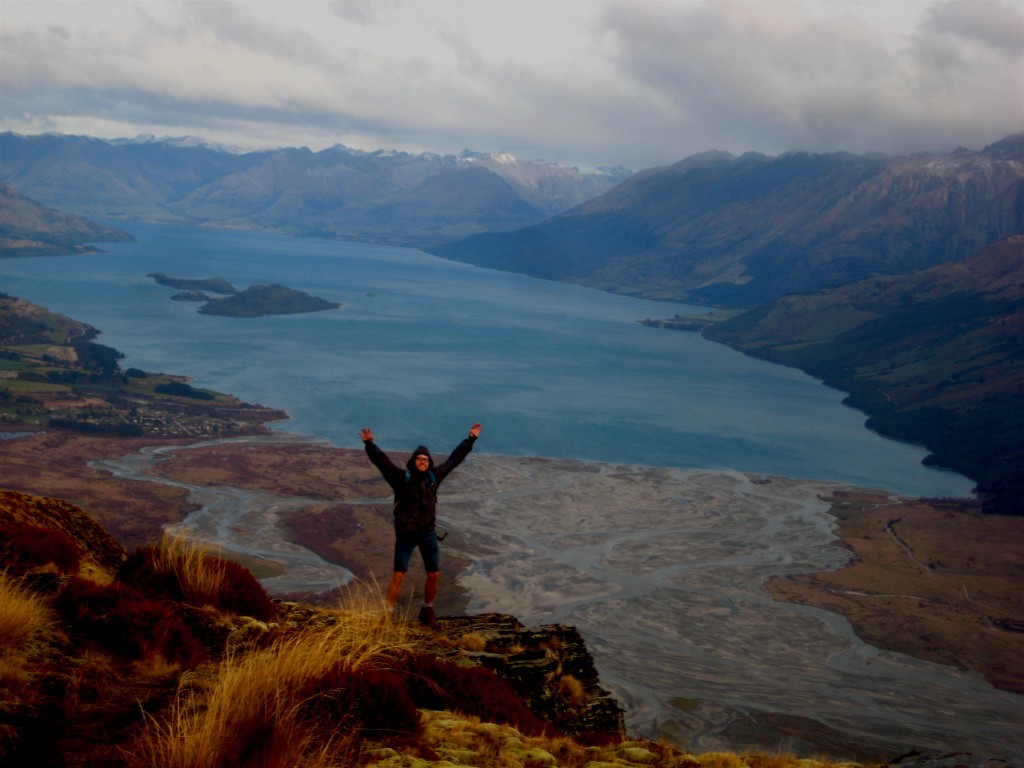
[
  {"x": 896, "y": 279},
  {"x": 729, "y": 231},
  {"x": 383, "y": 196}
]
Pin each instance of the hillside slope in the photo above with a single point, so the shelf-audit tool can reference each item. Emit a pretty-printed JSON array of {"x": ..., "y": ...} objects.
[
  {"x": 934, "y": 357},
  {"x": 30, "y": 229},
  {"x": 739, "y": 231}
]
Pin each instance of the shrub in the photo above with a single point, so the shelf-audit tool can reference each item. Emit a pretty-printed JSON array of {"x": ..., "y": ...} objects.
[
  {"x": 378, "y": 700},
  {"x": 24, "y": 547},
  {"x": 183, "y": 570},
  {"x": 22, "y": 613},
  {"x": 256, "y": 712},
  {"x": 438, "y": 684},
  {"x": 180, "y": 389},
  {"x": 126, "y": 622},
  {"x": 145, "y": 570},
  {"x": 241, "y": 593}
]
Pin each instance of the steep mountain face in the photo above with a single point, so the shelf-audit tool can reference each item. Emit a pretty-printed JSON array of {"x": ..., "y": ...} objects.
[
  {"x": 30, "y": 229},
  {"x": 392, "y": 197},
  {"x": 738, "y": 231},
  {"x": 934, "y": 357}
]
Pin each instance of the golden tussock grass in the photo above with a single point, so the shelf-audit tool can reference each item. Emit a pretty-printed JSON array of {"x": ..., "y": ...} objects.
[
  {"x": 573, "y": 690},
  {"x": 15, "y": 674},
  {"x": 776, "y": 760},
  {"x": 195, "y": 567},
  {"x": 22, "y": 614},
  {"x": 721, "y": 760},
  {"x": 251, "y": 712},
  {"x": 472, "y": 641}
]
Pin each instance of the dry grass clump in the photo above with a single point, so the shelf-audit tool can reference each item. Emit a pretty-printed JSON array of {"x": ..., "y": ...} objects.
[
  {"x": 776, "y": 760},
  {"x": 272, "y": 707},
  {"x": 202, "y": 582},
  {"x": 22, "y": 614},
  {"x": 188, "y": 571},
  {"x": 572, "y": 690},
  {"x": 721, "y": 760},
  {"x": 474, "y": 642}
]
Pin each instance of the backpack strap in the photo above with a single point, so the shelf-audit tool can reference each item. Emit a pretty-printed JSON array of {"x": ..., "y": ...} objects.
[{"x": 433, "y": 480}]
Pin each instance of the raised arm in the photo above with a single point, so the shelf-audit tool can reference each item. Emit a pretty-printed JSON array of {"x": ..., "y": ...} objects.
[
  {"x": 380, "y": 459},
  {"x": 457, "y": 456}
]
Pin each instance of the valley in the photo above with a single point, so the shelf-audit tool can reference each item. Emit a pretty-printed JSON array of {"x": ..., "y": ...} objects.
[{"x": 923, "y": 335}]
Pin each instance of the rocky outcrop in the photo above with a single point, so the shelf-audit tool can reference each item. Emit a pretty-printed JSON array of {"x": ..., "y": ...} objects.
[{"x": 549, "y": 667}]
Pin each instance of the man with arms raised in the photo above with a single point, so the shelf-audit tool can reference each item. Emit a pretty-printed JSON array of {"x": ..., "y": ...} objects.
[{"x": 415, "y": 489}]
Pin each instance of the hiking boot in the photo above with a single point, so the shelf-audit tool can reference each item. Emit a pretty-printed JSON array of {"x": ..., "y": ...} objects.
[{"x": 427, "y": 616}]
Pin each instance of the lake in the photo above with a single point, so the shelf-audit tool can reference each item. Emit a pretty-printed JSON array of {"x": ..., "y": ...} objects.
[
  {"x": 652, "y": 545},
  {"x": 423, "y": 348}
]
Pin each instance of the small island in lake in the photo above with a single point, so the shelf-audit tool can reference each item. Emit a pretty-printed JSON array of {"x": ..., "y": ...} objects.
[
  {"x": 255, "y": 301},
  {"x": 190, "y": 296},
  {"x": 211, "y": 284},
  {"x": 692, "y": 322},
  {"x": 259, "y": 300}
]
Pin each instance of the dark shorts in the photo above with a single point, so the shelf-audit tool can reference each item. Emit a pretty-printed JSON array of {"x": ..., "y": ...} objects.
[{"x": 405, "y": 543}]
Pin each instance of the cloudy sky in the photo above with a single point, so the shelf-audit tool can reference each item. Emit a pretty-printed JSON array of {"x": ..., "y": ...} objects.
[{"x": 580, "y": 82}]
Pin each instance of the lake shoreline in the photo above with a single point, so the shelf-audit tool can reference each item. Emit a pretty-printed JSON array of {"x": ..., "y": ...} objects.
[{"x": 550, "y": 369}]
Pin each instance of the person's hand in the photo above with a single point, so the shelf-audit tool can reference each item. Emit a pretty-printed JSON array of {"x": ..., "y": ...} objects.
[
  {"x": 367, "y": 434},
  {"x": 474, "y": 431}
]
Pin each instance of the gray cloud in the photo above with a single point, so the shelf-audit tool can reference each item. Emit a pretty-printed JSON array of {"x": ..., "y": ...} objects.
[
  {"x": 364, "y": 12},
  {"x": 786, "y": 79},
  {"x": 992, "y": 23},
  {"x": 634, "y": 83}
]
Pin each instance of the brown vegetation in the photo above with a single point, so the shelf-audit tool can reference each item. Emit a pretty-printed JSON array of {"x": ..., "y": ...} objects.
[{"x": 937, "y": 580}]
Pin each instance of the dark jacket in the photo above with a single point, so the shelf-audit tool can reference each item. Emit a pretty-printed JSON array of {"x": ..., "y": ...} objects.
[{"x": 415, "y": 491}]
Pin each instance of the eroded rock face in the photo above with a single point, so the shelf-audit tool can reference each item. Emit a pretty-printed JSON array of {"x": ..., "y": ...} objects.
[{"x": 548, "y": 666}]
